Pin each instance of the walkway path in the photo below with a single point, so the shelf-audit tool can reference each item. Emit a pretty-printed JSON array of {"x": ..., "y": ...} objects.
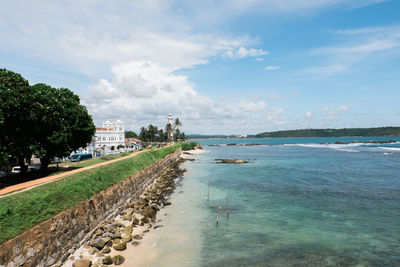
[{"x": 31, "y": 184}]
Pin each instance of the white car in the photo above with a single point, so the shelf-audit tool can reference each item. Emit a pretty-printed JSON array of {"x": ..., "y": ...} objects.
[{"x": 16, "y": 169}]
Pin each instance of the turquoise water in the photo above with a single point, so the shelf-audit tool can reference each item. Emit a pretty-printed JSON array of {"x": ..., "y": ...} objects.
[{"x": 296, "y": 203}]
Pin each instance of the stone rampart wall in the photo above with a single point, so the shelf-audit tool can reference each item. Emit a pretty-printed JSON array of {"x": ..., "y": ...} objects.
[{"x": 51, "y": 242}]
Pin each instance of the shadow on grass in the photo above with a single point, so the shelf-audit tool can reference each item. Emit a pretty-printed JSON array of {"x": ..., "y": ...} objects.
[{"x": 14, "y": 179}]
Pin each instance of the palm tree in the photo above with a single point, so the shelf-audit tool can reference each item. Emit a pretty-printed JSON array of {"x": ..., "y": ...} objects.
[
  {"x": 143, "y": 134},
  {"x": 152, "y": 130},
  {"x": 177, "y": 123},
  {"x": 168, "y": 130},
  {"x": 177, "y": 135}
]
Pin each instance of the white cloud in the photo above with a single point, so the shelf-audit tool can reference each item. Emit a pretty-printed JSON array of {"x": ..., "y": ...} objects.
[
  {"x": 243, "y": 52},
  {"x": 329, "y": 70},
  {"x": 259, "y": 59},
  {"x": 142, "y": 92},
  {"x": 253, "y": 106},
  {"x": 268, "y": 68},
  {"x": 362, "y": 46},
  {"x": 332, "y": 113},
  {"x": 309, "y": 114}
]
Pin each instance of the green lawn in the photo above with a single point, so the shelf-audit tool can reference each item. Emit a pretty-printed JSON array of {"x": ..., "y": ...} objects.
[
  {"x": 21, "y": 211},
  {"x": 64, "y": 167}
]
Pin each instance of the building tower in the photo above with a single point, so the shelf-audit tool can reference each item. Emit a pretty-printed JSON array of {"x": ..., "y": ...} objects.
[{"x": 170, "y": 132}]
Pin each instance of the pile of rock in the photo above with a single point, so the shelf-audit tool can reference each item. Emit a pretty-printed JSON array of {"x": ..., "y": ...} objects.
[
  {"x": 235, "y": 161},
  {"x": 115, "y": 234}
]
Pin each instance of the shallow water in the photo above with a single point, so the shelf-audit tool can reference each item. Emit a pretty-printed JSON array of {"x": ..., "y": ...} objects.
[{"x": 297, "y": 203}]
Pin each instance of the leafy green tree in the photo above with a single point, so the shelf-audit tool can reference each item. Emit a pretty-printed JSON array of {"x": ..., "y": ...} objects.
[
  {"x": 161, "y": 136},
  {"x": 152, "y": 130},
  {"x": 143, "y": 134},
  {"x": 130, "y": 134},
  {"x": 15, "y": 126},
  {"x": 177, "y": 135},
  {"x": 177, "y": 123},
  {"x": 61, "y": 123}
]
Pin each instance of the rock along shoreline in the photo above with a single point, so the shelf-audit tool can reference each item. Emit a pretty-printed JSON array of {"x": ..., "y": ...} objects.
[{"x": 126, "y": 229}]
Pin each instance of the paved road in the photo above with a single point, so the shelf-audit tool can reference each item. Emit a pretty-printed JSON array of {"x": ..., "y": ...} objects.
[{"x": 31, "y": 184}]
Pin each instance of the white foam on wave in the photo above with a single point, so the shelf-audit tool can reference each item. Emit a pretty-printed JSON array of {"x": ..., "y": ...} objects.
[
  {"x": 340, "y": 147},
  {"x": 390, "y": 148}
]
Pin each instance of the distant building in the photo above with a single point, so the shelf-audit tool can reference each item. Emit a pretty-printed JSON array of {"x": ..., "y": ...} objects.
[
  {"x": 108, "y": 137},
  {"x": 170, "y": 133},
  {"x": 133, "y": 143}
]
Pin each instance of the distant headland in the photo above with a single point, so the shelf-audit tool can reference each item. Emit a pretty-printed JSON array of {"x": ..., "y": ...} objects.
[
  {"x": 344, "y": 132},
  {"x": 379, "y": 131}
]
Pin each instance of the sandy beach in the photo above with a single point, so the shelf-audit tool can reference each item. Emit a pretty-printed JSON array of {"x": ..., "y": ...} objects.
[{"x": 142, "y": 251}]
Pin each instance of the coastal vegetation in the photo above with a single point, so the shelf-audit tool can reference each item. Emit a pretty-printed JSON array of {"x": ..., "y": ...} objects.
[
  {"x": 154, "y": 134},
  {"x": 21, "y": 211},
  {"x": 39, "y": 120},
  {"x": 130, "y": 134},
  {"x": 380, "y": 131}
]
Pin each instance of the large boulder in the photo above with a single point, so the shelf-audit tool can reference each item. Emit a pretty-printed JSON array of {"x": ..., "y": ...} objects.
[
  {"x": 135, "y": 221},
  {"x": 106, "y": 250},
  {"x": 149, "y": 212},
  {"x": 144, "y": 220},
  {"x": 118, "y": 259},
  {"x": 126, "y": 238},
  {"x": 135, "y": 243},
  {"x": 137, "y": 237},
  {"x": 120, "y": 246},
  {"x": 108, "y": 260},
  {"x": 82, "y": 263},
  {"x": 127, "y": 217},
  {"x": 235, "y": 161},
  {"x": 127, "y": 230},
  {"x": 109, "y": 228},
  {"x": 129, "y": 211},
  {"x": 98, "y": 243}
]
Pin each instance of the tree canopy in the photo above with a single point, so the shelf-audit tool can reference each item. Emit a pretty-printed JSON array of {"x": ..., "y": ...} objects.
[
  {"x": 153, "y": 134},
  {"x": 130, "y": 134},
  {"x": 40, "y": 120},
  {"x": 15, "y": 101}
]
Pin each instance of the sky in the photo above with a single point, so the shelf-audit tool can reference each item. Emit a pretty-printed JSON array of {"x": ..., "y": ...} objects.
[{"x": 221, "y": 67}]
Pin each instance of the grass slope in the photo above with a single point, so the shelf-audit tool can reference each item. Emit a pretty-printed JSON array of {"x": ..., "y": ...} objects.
[{"x": 21, "y": 211}]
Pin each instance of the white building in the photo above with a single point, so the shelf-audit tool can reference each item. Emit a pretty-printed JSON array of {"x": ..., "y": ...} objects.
[{"x": 108, "y": 137}]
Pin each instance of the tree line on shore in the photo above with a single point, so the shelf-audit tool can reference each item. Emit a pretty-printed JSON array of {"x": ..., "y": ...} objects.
[
  {"x": 170, "y": 133},
  {"x": 39, "y": 120},
  {"x": 379, "y": 131}
]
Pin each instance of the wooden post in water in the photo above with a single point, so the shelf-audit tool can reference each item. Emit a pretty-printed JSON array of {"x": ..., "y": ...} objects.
[
  {"x": 216, "y": 209},
  {"x": 208, "y": 194},
  {"x": 227, "y": 208}
]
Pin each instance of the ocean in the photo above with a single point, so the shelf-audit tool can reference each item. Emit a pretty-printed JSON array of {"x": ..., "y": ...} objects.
[{"x": 298, "y": 202}]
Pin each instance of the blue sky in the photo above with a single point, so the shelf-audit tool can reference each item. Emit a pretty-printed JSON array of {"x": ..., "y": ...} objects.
[{"x": 220, "y": 66}]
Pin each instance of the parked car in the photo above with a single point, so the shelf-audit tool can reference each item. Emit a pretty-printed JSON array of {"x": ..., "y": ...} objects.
[
  {"x": 16, "y": 169},
  {"x": 3, "y": 174},
  {"x": 33, "y": 168}
]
